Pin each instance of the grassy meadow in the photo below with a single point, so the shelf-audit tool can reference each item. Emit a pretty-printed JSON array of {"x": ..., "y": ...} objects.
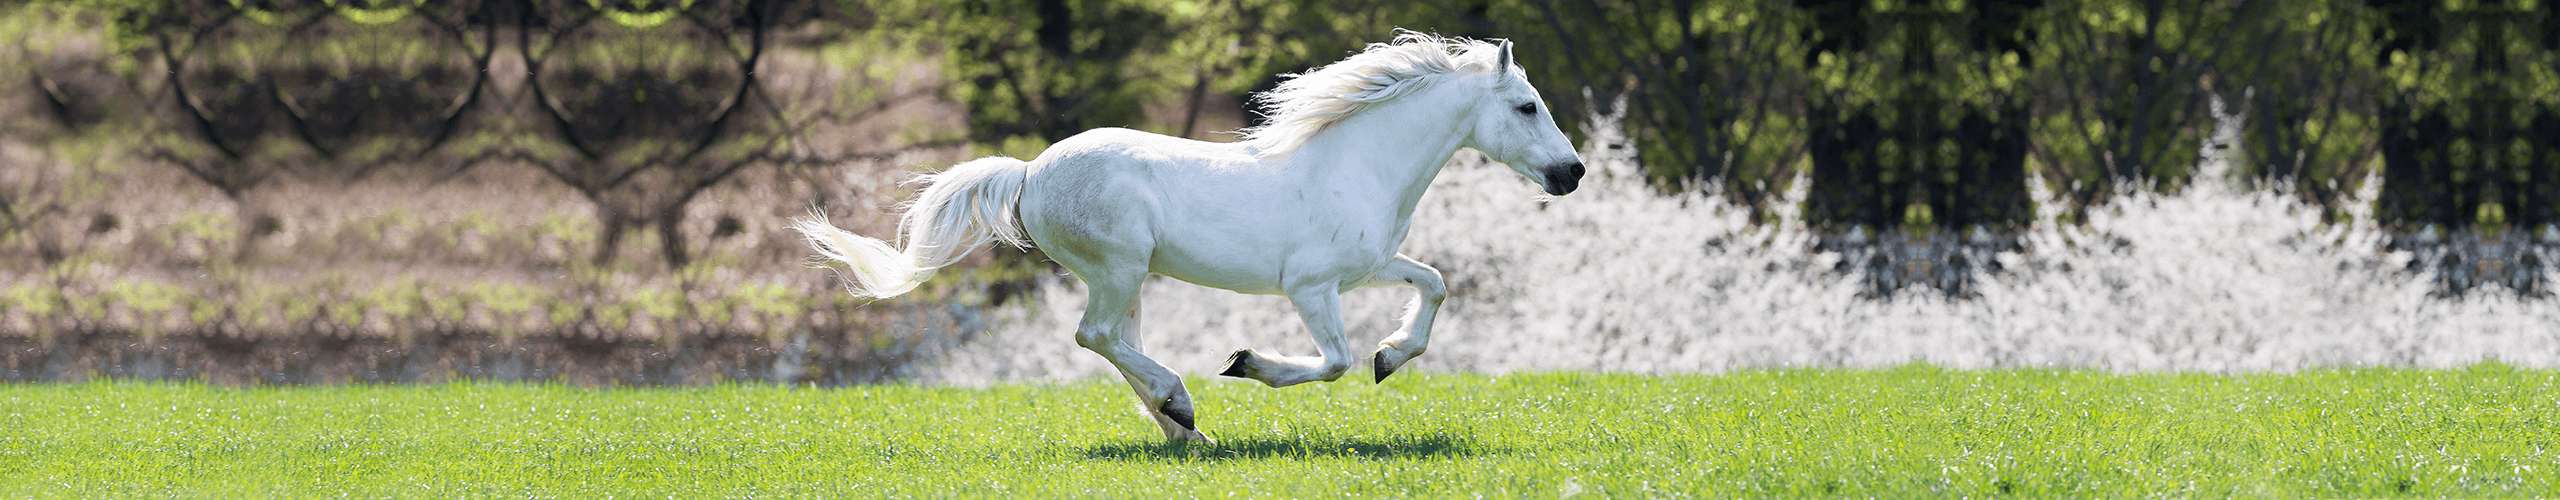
[{"x": 2479, "y": 431}]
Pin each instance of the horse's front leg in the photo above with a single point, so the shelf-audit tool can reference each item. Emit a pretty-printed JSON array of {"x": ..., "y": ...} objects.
[
  {"x": 1320, "y": 306},
  {"x": 1409, "y": 340}
]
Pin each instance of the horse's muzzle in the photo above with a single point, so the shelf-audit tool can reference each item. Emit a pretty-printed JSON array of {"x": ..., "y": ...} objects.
[{"x": 1562, "y": 179}]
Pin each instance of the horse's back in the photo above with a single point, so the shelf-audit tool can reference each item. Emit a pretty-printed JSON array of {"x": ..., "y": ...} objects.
[
  {"x": 1118, "y": 192},
  {"x": 1106, "y": 147},
  {"x": 1101, "y": 182},
  {"x": 1109, "y": 158}
]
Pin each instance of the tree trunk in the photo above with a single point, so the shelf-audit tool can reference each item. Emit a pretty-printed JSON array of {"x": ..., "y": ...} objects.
[
  {"x": 609, "y": 237},
  {"x": 1191, "y": 104},
  {"x": 244, "y": 221},
  {"x": 671, "y": 237}
]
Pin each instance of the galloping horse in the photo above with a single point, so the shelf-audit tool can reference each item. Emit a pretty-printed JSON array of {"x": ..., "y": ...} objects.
[{"x": 1312, "y": 203}]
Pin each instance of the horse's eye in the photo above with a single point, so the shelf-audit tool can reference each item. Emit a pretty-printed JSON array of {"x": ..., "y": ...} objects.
[{"x": 1528, "y": 109}]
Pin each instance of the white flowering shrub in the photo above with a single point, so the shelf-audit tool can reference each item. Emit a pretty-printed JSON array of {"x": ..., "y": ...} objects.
[{"x": 1619, "y": 277}]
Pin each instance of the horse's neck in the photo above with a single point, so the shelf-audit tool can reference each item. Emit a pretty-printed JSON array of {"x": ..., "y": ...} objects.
[{"x": 1398, "y": 146}]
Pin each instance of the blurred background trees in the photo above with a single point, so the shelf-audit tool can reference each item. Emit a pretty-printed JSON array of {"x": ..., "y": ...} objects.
[
  {"x": 641, "y": 103},
  {"x": 2112, "y": 90},
  {"x": 2306, "y": 80},
  {"x": 2122, "y": 99},
  {"x": 1714, "y": 93},
  {"x": 1918, "y": 112},
  {"x": 2088, "y": 96},
  {"x": 1910, "y": 117},
  {"x": 2470, "y": 128},
  {"x": 1037, "y": 71},
  {"x": 1918, "y": 117}
]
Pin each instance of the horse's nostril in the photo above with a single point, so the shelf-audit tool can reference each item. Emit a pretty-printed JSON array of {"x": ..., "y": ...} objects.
[{"x": 1561, "y": 180}]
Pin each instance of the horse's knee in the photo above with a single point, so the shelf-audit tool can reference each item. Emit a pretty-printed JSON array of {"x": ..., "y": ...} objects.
[
  {"x": 1333, "y": 369},
  {"x": 1433, "y": 291},
  {"x": 1429, "y": 282},
  {"x": 1094, "y": 337}
]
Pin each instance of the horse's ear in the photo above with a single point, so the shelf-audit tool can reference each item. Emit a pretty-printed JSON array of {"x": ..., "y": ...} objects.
[{"x": 1506, "y": 57}]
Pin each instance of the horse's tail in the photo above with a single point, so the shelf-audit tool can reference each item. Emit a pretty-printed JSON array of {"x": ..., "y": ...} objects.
[{"x": 962, "y": 210}]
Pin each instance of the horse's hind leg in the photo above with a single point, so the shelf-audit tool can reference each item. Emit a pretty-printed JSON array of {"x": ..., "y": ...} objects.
[
  {"x": 1408, "y": 341},
  {"x": 1130, "y": 333},
  {"x": 1108, "y": 329}
]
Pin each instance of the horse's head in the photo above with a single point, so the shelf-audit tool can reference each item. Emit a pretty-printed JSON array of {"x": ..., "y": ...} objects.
[{"x": 1514, "y": 126}]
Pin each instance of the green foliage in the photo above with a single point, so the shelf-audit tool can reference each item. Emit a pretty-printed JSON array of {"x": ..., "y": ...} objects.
[
  {"x": 146, "y": 297},
  {"x": 401, "y": 300},
  {"x": 2118, "y": 103},
  {"x": 30, "y": 298},
  {"x": 213, "y": 228},
  {"x": 656, "y": 302},
  {"x": 1917, "y": 113},
  {"x": 1047, "y": 69},
  {"x": 2469, "y": 123},
  {"x": 1905, "y": 432},
  {"x": 1713, "y": 91},
  {"x": 648, "y": 14},
  {"x": 509, "y": 299},
  {"x": 568, "y": 229},
  {"x": 765, "y": 299},
  {"x": 2307, "y": 88}
]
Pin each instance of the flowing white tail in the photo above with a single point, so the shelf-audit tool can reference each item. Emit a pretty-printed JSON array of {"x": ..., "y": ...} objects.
[{"x": 962, "y": 210}]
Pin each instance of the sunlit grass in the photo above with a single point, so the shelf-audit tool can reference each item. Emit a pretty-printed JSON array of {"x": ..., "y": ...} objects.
[{"x": 1911, "y": 431}]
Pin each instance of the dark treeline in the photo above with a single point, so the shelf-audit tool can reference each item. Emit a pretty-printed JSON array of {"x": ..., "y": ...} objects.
[
  {"x": 637, "y": 107},
  {"x": 1909, "y": 114},
  {"x": 2469, "y": 123}
]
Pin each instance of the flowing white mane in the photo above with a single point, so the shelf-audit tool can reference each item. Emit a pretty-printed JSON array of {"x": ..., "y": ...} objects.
[{"x": 1307, "y": 103}]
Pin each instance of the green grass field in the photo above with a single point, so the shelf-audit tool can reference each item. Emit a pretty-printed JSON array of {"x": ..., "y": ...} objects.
[{"x": 2484, "y": 431}]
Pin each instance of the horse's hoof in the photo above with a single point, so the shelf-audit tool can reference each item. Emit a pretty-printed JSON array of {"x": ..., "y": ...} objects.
[
  {"x": 1378, "y": 365},
  {"x": 1235, "y": 364},
  {"x": 1180, "y": 415}
]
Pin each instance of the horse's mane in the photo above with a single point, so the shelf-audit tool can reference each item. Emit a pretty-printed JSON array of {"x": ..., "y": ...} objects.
[{"x": 1307, "y": 103}]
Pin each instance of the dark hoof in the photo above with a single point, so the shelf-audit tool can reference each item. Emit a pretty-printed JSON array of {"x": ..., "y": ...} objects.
[
  {"x": 1235, "y": 364},
  {"x": 1378, "y": 365},
  {"x": 1179, "y": 415}
]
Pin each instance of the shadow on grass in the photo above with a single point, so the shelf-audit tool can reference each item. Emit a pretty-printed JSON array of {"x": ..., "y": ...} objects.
[{"x": 1420, "y": 446}]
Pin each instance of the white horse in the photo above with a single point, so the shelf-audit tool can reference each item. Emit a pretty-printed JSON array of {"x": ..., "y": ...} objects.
[{"x": 1313, "y": 203}]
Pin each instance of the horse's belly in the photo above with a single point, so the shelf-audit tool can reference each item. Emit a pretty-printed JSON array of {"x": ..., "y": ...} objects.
[
  {"x": 1237, "y": 268},
  {"x": 1244, "y": 285},
  {"x": 1268, "y": 264}
]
